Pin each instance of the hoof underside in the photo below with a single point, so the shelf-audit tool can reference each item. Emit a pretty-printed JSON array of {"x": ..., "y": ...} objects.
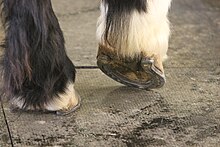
[{"x": 140, "y": 72}]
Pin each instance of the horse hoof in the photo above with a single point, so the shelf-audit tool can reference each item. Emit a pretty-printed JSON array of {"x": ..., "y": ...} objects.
[
  {"x": 72, "y": 107},
  {"x": 142, "y": 72},
  {"x": 64, "y": 104}
]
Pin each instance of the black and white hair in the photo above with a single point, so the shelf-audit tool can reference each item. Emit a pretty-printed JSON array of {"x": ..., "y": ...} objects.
[
  {"x": 134, "y": 26},
  {"x": 37, "y": 72}
]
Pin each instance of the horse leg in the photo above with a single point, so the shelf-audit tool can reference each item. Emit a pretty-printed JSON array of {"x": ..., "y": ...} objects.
[
  {"x": 133, "y": 41},
  {"x": 38, "y": 75}
]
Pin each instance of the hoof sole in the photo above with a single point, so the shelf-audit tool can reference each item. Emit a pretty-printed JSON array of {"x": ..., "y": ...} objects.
[{"x": 140, "y": 73}]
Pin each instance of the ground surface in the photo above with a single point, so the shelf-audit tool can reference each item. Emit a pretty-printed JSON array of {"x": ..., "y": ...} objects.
[{"x": 185, "y": 112}]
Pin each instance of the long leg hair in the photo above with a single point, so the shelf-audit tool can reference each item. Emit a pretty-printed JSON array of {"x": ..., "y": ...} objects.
[
  {"x": 136, "y": 31},
  {"x": 134, "y": 26},
  {"x": 36, "y": 67}
]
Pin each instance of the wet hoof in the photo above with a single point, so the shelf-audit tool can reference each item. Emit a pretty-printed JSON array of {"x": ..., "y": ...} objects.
[{"x": 142, "y": 72}]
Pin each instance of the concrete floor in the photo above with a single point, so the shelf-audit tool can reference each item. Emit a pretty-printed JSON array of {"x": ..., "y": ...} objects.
[{"x": 185, "y": 112}]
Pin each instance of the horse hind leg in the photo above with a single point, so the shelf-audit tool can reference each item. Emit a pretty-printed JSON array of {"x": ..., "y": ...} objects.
[
  {"x": 38, "y": 75},
  {"x": 133, "y": 41}
]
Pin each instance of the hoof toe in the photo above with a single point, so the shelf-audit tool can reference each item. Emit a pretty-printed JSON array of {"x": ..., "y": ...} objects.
[{"x": 70, "y": 109}]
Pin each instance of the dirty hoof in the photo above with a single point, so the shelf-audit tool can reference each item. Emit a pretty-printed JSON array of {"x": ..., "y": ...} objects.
[{"x": 143, "y": 72}]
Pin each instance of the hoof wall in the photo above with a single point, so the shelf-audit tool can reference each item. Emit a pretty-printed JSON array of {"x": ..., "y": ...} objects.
[{"x": 70, "y": 109}]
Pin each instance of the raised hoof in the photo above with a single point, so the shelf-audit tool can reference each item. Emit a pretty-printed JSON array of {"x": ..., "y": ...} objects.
[{"x": 142, "y": 72}]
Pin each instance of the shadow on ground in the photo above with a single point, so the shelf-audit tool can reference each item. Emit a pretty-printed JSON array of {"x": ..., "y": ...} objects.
[{"x": 185, "y": 112}]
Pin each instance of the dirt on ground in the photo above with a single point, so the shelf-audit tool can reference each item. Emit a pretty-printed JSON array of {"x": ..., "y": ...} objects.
[{"x": 185, "y": 112}]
